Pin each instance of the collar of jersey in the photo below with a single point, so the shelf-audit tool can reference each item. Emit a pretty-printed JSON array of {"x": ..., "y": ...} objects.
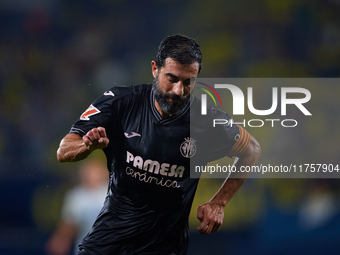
[{"x": 172, "y": 118}]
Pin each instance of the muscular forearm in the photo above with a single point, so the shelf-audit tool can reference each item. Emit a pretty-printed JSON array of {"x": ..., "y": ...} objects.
[
  {"x": 211, "y": 214},
  {"x": 72, "y": 148},
  {"x": 230, "y": 186},
  {"x": 227, "y": 191}
]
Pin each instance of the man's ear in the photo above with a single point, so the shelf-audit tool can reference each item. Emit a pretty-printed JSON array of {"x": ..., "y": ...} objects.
[{"x": 154, "y": 68}]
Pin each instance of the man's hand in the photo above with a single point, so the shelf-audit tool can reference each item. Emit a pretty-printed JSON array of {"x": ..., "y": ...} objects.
[
  {"x": 211, "y": 217},
  {"x": 96, "y": 138}
]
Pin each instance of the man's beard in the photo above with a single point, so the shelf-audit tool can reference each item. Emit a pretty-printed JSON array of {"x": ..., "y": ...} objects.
[{"x": 167, "y": 106}]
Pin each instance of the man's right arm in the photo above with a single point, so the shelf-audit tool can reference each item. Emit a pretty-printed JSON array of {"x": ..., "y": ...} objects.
[{"x": 73, "y": 147}]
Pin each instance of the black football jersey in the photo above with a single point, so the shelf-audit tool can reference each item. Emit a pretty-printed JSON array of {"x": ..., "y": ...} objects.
[{"x": 150, "y": 190}]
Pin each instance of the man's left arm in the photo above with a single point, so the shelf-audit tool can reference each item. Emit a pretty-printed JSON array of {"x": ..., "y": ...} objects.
[{"x": 211, "y": 214}]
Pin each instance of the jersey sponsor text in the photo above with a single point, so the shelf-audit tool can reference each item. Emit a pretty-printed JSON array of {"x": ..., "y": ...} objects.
[{"x": 153, "y": 166}]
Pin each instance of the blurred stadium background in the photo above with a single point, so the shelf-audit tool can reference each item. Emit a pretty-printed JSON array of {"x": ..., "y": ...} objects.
[{"x": 57, "y": 56}]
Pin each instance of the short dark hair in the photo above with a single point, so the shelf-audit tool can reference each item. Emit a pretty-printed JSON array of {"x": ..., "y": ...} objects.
[{"x": 179, "y": 48}]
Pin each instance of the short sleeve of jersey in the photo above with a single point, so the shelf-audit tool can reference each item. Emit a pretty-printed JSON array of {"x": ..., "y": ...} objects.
[{"x": 101, "y": 113}]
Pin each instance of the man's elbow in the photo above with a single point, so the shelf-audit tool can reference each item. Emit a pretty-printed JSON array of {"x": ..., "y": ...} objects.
[
  {"x": 253, "y": 151},
  {"x": 60, "y": 156},
  {"x": 61, "y": 152}
]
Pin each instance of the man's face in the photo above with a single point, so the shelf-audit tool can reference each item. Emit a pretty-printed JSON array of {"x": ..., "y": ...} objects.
[{"x": 172, "y": 85}]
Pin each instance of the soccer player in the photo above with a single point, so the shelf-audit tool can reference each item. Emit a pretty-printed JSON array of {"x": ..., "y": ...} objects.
[{"x": 148, "y": 139}]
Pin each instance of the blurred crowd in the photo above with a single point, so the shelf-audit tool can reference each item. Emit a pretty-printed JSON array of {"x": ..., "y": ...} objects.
[{"x": 57, "y": 56}]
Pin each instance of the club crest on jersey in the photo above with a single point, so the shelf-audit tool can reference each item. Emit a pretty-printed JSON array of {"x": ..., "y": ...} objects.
[
  {"x": 89, "y": 112},
  {"x": 188, "y": 148}
]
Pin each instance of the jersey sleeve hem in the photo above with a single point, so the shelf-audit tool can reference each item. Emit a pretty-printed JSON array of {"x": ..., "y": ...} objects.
[{"x": 78, "y": 131}]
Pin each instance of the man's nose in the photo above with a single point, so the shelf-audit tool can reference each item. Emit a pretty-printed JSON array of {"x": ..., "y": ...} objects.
[{"x": 178, "y": 88}]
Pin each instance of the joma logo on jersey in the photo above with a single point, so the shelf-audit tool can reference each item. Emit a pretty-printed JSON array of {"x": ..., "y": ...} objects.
[{"x": 153, "y": 166}]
